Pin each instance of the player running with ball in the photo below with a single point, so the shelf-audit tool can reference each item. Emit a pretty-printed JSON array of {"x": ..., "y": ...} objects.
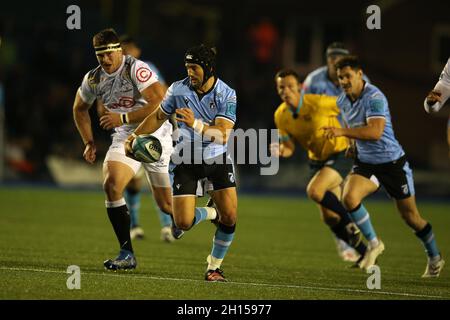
[{"x": 204, "y": 106}]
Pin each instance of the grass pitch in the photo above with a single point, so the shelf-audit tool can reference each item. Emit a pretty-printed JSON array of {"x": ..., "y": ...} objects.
[{"x": 281, "y": 251}]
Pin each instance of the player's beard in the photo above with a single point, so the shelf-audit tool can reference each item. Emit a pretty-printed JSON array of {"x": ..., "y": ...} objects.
[{"x": 196, "y": 84}]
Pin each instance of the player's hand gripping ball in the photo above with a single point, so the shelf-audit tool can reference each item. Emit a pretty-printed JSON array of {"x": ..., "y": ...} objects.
[{"x": 146, "y": 148}]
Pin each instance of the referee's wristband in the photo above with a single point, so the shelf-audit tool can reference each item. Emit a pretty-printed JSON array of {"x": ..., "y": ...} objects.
[
  {"x": 198, "y": 126},
  {"x": 124, "y": 118}
]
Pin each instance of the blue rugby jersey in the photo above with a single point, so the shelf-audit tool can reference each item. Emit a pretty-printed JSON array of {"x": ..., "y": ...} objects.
[
  {"x": 220, "y": 102},
  {"x": 371, "y": 104}
]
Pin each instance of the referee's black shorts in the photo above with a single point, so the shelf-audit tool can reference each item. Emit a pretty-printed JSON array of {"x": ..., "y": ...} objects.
[{"x": 220, "y": 173}]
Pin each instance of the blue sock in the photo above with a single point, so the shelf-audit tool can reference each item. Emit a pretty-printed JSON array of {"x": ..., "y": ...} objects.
[
  {"x": 200, "y": 215},
  {"x": 360, "y": 216},
  {"x": 164, "y": 218},
  {"x": 222, "y": 240},
  {"x": 133, "y": 200},
  {"x": 426, "y": 235}
]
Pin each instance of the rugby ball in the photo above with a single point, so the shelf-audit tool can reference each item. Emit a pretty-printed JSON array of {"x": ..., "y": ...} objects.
[{"x": 146, "y": 148}]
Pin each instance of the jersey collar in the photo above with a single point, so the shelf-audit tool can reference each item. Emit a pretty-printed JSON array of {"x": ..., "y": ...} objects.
[{"x": 300, "y": 104}]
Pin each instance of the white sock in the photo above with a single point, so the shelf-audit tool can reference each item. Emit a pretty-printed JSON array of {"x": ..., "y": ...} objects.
[
  {"x": 435, "y": 259},
  {"x": 214, "y": 263},
  {"x": 211, "y": 213},
  {"x": 374, "y": 242}
]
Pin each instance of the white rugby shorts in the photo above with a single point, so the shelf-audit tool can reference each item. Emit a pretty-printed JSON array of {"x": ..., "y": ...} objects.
[{"x": 116, "y": 151}]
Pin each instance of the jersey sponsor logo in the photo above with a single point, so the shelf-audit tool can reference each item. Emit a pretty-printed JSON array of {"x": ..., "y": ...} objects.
[
  {"x": 124, "y": 102},
  {"x": 143, "y": 74}
]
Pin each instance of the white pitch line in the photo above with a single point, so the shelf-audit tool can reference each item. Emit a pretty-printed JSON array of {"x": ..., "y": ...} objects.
[{"x": 292, "y": 286}]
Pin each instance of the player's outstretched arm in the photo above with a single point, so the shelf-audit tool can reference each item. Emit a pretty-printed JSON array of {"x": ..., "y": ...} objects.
[
  {"x": 83, "y": 124},
  {"x": 152, "y": 122},
  {"x": 372, "y": 131},
  {"x": 218, "y": 133},
  {"x": 154, "y": 95}
]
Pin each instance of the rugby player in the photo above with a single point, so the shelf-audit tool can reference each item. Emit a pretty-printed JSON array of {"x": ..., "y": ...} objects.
[
  {"x": 206, "y": 111},
  {"x": 324, "y": 80},
  {"x": 380, "y": 161},
  {"x": 130, "y": 91},
  {"x": 299, "y": 120}
]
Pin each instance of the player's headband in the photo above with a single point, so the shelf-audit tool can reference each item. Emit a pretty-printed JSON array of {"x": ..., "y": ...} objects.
[
  {"x": 337, "y": 51},
  {"x": 108, "y": 48}
]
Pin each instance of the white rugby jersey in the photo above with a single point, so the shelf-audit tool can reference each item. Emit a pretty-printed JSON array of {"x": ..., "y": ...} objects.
[
  {"x": 119, "y": 91},
  {"x": 443, "y": 86}
]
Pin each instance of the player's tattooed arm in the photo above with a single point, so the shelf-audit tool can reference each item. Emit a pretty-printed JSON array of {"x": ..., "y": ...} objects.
[
  {"x": 83, "y": 124},
  {"x": 219, "y": 132},
  {"x": 154, "y": 95}
]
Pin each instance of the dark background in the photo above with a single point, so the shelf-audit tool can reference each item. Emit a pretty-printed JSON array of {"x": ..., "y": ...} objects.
[{"x": 42, "y": 64}]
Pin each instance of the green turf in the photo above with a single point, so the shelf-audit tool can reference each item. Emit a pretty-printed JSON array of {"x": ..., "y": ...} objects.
[{"x": 281, "y": 251}]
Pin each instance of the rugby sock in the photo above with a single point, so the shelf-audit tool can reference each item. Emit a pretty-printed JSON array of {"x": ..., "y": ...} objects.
[
  {"x": 120, "y": 220},
  {"x": 330, "y": 201},
  {"x": 164, "y": 218},
  {"x": 204, "y": 213},
  {"x": 343, "y": 231},
  {"x": 221, "y": 242},
  {"x": 133, "y": 199},
  {"x": 426, "y": 235},
  {"x": 361, "y": 217}
]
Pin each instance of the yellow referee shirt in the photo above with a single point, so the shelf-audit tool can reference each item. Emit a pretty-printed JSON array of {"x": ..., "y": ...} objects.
[{"x": 316, "y": 111}]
